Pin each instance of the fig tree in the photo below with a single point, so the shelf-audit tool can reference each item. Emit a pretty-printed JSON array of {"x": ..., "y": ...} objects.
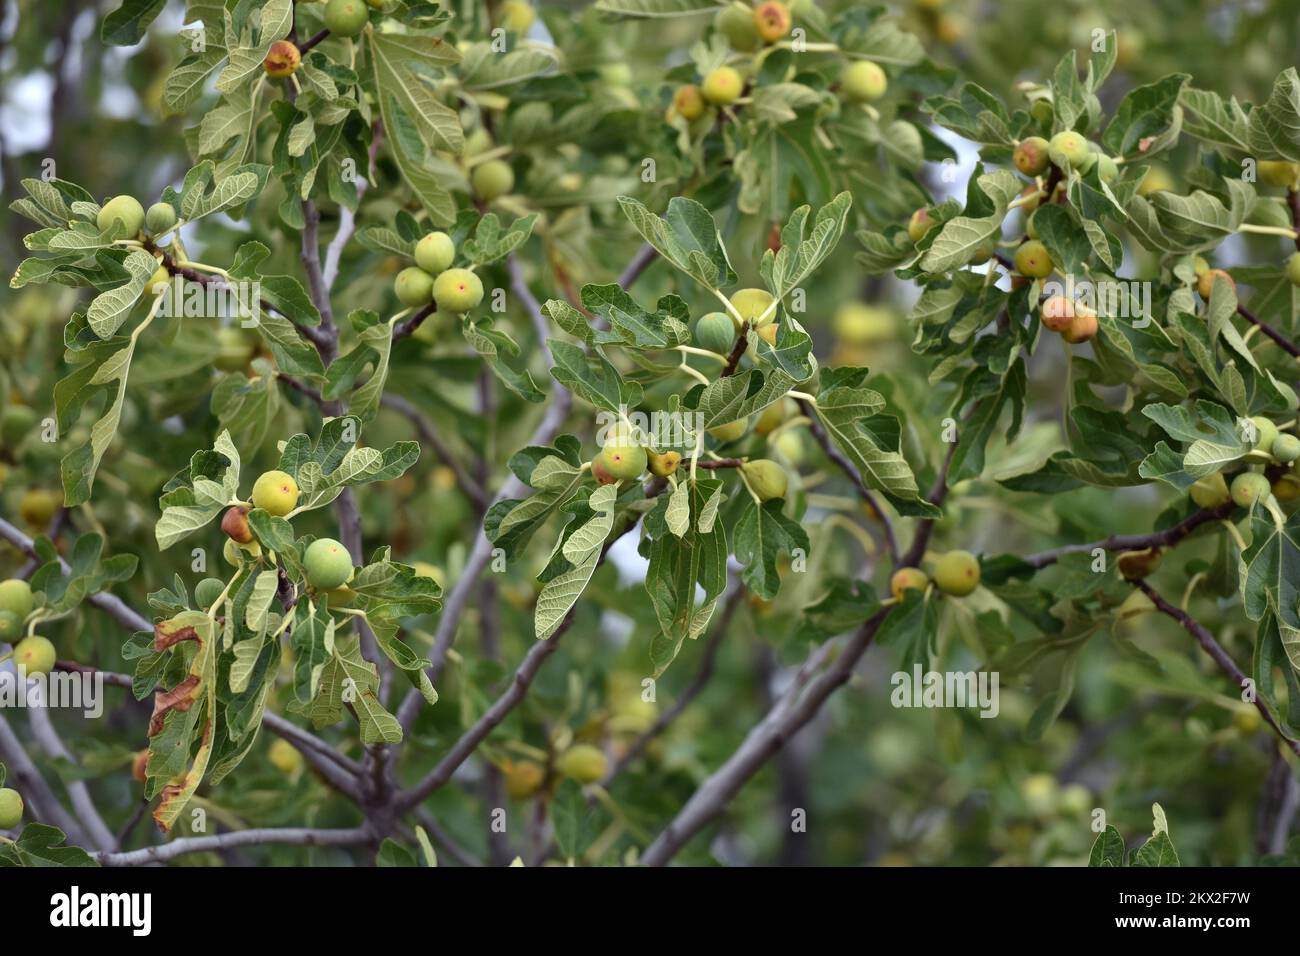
[
  {"x": 434, "y": 253},
  {"x": 864, "y": 81},
  {"x": 905, "y": 579},
  {"x": 1277, "y": 172},
  {"x": 346, "y": 18},
  {"x": 492, "y": 179},
  {"x": 919, "y": 224},
  {"x": 236, "y": 349},
  {"x": 1156, "y": 180},
  {"x": 753, "y": 306},
  {"x": 38, "y": 505},
  {"x": 862, "y": 324},
  {"x": 1293, "y": 269},
  {"x": 1286, "y": 449},
  {"x": 35, "y": 655},
  {"x": 1057, "y": 313},
  {"x": 235, "y": 524},
  {"x": 158, "y": 280},
  {"x": 1136, "y": 565},
  {"x": 767, "y": 479},
  {"x": 1107, "y": 168},
  {"x": 776, "y": 413},
  {"x": 207, "y": 591},
  {"x": 621, "y": 461},
  {"x": 457, "y": 290},
  {"x": 689, "y": 102},
  {"x": 414, "y": 287},
  {"x": 1265, "y": 433},
  {"x": 236, "y": 554},
  {"x": 730, "y": 431},
  {"x": 126, "y": 211},
  {"x": 1210, "y": 491},
  {"x": 525, "y": 778},
  {"x": 1248, "y": 487},
  {"x": 285, "y": 757},
  {"x": 16, "y": 423},
  {"x": 772, "y": 20},
  {"x": 736, "y": 23},
  {"x": 716, "y": 332},
  {"x": 11, "y": 808},
  {"x": 1031, "y": 156},
  {"x": 1082, "y": 327},
  {"x": 583, "y": 763},
  {"x": 160, "y": 217},
  {"x": 722, "y": 86},
  {"x": 957, "y": 573},
  {"x": 328, "y": 564},
  {"x": 275, "y": 492},
  {"x": 663, "y": 464},
  {"x": 1033, "y": 260},
  {"x": 1205, "y": 284},
  {"x": 517, "y": 15},
  {"x": 16, "y": 597},
  {"x": 1072, "y": 149},
  {"x": 282, "y": 60}
]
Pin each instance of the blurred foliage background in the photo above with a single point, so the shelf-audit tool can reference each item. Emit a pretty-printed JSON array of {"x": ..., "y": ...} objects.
[{"x": 880, "y": 785}]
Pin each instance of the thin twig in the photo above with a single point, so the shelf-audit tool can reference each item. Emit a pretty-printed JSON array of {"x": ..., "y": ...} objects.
[
  {"x": 287, "y": 836},
  {"x": 832, "y": 451},
  {"x": 1286, "y": 344},
  {"x": 1216, "y": 651},
  {"x": 1165, "y": 538}
]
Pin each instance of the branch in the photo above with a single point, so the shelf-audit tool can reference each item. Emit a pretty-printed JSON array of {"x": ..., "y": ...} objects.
[
  {"x": 316, "y": 38},
  {"x": 540, "y": 326},
  {"x": 1268, "y": 330},
  {"x": 833, "y": 452},
  {"x": 737, "y": 353},
  {"x": 333, "y": 766},
  {"x": 708, "y": 659},
  {"x": 409, "y": 325},
  {"x": 40, "y": 799},
  {"x": 780, "y": 724},
  {"x": 511, "y": 697},
  {"x": 501, "y": 707},
  {"x": 1216, "y": 651},
  {"x": 1136, "y": 542},
  {"x": 449, "y": 621},
  {"x": 1293, "y": 202},
  {"x": 938, "y": 492},
  {"x": 640, "y": 262},
  {"x": 224, "y": 841},
  {"x": 78, "y": 793}
]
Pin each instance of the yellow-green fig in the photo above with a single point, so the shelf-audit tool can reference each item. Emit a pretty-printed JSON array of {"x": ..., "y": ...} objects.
[
  {"x": 457, "y": 290},
  {"x": 863, "y": 81},
  {"x": 907, "y": 579},
  {"x": 35, "y": 655},
  {"x": 722, "y": 86},
  {"x": 663, "y": 464},
  {"x": 275, "y": 492},
  {"x": 126, "y": 211},
  {"x": 328, "y": 564},
  {"x": 767, "y": 478},
  {"x": 957, "y": 573},
  {"x": 1210, "y": 491},
  {"x": 16, "y": 597},
  {"x": 583, "y": 763},
  {"x": 1032, "y": 156},
  {"x": 434, "y": 253},
  {"x": 11, "y": 808},
  {"x": 492, "y": 180},
  {"x": 414, "y": 286},
  {"x": 753, "y": 306},
  {"x": 1249, "y": 487}
]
